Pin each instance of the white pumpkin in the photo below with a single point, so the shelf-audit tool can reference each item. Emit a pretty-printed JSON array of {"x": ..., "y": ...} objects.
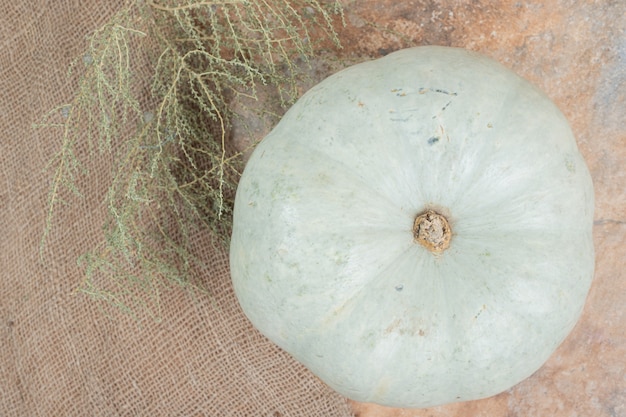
[{"x": 416, "y": 230}]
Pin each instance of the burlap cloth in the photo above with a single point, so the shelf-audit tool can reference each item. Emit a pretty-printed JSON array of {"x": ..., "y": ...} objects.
[{"x": 61, "y": 354}]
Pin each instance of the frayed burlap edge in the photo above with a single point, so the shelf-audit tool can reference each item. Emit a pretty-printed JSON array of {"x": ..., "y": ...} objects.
[{"x": 64, "y": 354}]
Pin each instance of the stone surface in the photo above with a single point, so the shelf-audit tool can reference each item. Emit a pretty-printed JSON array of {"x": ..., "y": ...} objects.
[{"x": 574, "y": 50}]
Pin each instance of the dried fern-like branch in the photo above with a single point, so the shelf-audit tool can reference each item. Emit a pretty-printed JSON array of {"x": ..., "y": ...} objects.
[{"x": 174, "y": 173}]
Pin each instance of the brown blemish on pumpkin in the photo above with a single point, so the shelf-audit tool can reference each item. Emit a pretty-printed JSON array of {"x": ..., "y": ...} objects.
[
  {"x": 432, "y": 231},
  {"x": 401, "y": 328},
  {"x": 393, "y": 327}
]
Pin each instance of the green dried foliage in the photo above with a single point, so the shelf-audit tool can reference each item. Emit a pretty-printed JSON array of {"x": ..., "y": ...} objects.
[{"x": 154, "y": 96}]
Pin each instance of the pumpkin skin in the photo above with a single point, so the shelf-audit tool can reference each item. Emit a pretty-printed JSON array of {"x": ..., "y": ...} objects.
[{"x": 323, "y": 256}]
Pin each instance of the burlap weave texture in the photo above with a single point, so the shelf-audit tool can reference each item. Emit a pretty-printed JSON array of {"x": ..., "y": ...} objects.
[{"x": 61, "y": 354}]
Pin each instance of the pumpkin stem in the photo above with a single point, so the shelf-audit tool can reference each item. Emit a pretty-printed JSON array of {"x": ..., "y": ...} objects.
[{"x": 432, "y": 231}]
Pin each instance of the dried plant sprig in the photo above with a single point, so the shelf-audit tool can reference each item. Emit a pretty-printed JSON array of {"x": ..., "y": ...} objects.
[{"x": 174, "y": 173}]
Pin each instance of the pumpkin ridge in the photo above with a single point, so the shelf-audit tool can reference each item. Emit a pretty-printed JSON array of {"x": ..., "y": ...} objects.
[{"x": 347, "y": 169}]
